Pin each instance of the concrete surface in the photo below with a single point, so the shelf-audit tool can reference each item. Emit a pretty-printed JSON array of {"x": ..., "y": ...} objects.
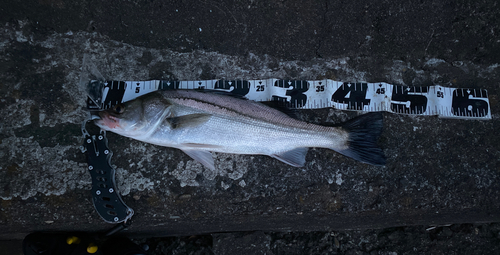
[
  {"x": 452, "y": 239},
  {"x": 439, "y": 171}
]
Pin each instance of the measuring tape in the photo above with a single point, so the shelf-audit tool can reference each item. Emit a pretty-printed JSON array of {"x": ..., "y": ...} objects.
[
  {"x": 300, "y": 94},
  {"x": 460, "y": 103}
]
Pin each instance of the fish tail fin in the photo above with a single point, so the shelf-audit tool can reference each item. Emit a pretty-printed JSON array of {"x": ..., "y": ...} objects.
[{"x": 364, "y": 132}]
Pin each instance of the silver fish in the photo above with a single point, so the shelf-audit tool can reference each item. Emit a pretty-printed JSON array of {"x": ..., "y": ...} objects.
[{"x": 200, "y": 122}]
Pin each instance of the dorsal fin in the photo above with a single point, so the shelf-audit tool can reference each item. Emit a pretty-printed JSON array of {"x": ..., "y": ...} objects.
[
  {"x": 222, "y": 93},
  {"x": 292, "y": 113}
]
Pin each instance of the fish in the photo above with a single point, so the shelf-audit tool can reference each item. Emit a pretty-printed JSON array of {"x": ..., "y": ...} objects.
[{"x": 199, "y": 123}]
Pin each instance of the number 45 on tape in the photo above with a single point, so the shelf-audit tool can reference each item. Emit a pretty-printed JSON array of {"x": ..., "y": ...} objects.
[{"x": 431, "y": 100}]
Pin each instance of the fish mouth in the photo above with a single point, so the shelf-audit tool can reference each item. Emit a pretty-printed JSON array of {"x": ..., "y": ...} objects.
[
  {"x": 94, "y": 116},
  {"x": 106, "y": 121}
]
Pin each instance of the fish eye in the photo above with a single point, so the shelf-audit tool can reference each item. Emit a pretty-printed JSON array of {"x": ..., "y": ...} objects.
[{"x": 119, "y": 108}]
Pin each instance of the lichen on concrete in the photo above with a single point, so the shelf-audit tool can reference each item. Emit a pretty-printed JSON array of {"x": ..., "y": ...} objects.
[
  {"x": 132, "y": 181},
  {"x": 50, "y": 172},
  {"x": 187, "y": 172}
]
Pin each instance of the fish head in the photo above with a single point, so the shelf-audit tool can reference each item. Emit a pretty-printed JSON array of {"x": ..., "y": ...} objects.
[{"x": 133, "y": 118}]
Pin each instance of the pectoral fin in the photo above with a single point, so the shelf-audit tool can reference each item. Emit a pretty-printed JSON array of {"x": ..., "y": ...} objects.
[
  {"x": 204, "y": 157},
  {"x": 190, "y": 120},
  {"x": 295, "y": 157},
  {"x": 200, "y": 146}
]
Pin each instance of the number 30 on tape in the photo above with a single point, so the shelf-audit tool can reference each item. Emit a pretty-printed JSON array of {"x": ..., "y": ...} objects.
[{"x": 445, "y": 102}]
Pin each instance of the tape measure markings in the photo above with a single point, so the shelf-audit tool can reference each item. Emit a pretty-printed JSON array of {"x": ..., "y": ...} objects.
[{"x": 464, "y": 103}]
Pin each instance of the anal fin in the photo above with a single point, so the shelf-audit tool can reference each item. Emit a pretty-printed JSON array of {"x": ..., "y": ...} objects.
[{"x": 295, "y": 157}]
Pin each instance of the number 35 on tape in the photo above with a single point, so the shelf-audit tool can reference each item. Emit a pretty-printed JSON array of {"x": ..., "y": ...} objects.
[{"x": 445, "y": 102}]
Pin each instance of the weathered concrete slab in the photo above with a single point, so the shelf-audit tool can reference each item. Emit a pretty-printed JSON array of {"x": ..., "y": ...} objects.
[{"x": 439, "y": 171}]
